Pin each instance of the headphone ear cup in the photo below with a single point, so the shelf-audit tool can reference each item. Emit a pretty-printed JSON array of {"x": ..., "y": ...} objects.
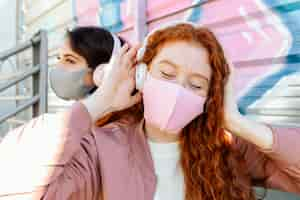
[
  {"x": 140, "y": 76},
  {"x": 98, "y": 74}
]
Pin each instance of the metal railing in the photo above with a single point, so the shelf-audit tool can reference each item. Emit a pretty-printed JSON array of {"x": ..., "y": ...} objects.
[{"x": 39, "y": 74}]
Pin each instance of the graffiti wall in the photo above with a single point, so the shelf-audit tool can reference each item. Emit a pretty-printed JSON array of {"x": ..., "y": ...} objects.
[{"x": 259, "y": 36}]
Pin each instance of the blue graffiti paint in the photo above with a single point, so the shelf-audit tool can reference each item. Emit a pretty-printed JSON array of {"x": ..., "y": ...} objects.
[
  {"x": 196, "y": 12},
  {"x": 289, "y": 13},
  {"x": 74, "y": 12},
  {"x": 110, "y": 15}
]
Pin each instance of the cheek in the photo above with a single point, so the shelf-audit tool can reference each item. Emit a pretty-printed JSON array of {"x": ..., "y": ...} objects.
[
  {"x": 61, "y": 64},
  {"x": 202, "y": 93},
  {"x": 79, "y": 65},
  {"x": 154, "y": 71},
  {"x": 88, "y": 79}
]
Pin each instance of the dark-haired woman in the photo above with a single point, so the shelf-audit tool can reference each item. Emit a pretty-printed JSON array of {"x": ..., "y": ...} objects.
[{"x": 84, "y": 49}]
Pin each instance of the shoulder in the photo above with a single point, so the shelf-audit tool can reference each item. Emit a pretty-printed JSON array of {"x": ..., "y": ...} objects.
[
  {"x": 116, "y": 132},
  {"x": 244, "y": 148},
  {"x": 33, "y": 128}
]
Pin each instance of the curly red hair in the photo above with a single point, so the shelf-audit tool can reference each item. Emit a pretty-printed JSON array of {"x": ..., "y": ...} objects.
[{"x": 212, "y": 169}]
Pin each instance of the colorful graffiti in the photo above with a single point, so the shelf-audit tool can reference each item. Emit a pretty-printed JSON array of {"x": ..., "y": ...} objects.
[
  {"x": 260, "y": 36},
  {"x": 108, "y": 13}
]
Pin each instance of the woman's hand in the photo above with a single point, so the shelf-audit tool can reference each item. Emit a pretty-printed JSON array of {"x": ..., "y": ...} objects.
[
  {"x": 118, "y": 82},
  {"x": 250, "y": 130}
]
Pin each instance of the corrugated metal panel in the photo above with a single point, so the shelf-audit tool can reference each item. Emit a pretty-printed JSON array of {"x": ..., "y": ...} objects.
[
  {"x": 39, "y": 9},
  {"x": 281, "y": 104}
]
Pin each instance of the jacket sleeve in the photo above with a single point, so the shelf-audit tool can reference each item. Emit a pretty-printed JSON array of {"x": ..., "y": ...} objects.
[
  {"x": 50, "y": 158},
  {"x": 278, "y": 167}
]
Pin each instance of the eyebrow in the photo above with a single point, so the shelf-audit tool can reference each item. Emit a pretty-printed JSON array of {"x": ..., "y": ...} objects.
[
  {"x": 177, "y": 66},
  {"x": 70, "y": 55}
]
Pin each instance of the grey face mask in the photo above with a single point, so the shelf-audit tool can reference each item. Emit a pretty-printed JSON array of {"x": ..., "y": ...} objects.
[{"x": 69, "y": 85}]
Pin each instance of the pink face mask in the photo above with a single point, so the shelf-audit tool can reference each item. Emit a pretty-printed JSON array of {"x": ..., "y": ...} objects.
[{"x": 170, "y": 106}]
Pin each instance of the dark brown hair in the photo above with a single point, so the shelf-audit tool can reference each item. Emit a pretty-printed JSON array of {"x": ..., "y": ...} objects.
[{"x": 94, "y": 44}]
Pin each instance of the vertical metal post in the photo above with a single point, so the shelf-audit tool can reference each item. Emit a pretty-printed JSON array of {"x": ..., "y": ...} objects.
[
  {"x": 18, "y": 13},
  {"x": 40, "y": 80},
  {"x": 43, "y": 72},
  {"x": 35, "y": 77},
  {"x": 140, "y": 20}
]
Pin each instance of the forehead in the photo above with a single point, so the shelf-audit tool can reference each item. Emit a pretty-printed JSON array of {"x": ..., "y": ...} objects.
[
  {"x": 65, "y": 46},
  {"x": 188, "y": 56},
  {"x": 65, "y": 49}
]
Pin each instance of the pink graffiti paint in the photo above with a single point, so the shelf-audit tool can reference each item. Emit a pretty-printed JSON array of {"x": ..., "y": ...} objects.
[
  {"x": 251, "y": 32},
  {"x": 87, "y": 12},
  {"x": 158, "y": 8},
  {"x": 247, "y": 29}
]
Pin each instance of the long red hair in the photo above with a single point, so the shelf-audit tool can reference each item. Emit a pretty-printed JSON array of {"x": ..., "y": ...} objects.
[{"x": 212, "y": 169}]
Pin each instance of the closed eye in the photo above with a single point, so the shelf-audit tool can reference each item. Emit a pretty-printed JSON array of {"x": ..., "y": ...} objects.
[
  {"x": 167, "y": 75},
  {"x": 196, "y": 86}
]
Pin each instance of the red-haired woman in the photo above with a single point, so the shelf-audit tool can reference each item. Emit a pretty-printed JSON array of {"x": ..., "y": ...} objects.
[{"x": 185, "y": 139}]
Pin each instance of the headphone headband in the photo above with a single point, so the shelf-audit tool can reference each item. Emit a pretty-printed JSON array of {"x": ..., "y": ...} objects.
[
  {"x": 141, "y": 51},
  {"x": 117, "y": 43}
]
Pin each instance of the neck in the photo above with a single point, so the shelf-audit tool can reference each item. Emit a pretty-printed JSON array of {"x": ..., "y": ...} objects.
[{"x": 159, "y": 136}]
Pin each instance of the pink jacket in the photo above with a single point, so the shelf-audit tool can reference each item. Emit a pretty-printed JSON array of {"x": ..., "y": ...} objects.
[{"x": 84, "y": 162}]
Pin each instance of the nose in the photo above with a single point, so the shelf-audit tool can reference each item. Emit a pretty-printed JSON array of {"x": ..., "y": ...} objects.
[
  {"x": 182, "y": 80},
  {"x": 61, "y": 66}
]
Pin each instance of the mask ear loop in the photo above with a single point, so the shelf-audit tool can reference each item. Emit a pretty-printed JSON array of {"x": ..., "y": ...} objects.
[
  {"x": 205, "y": 107},
  {"x": 117, "y": 44}
]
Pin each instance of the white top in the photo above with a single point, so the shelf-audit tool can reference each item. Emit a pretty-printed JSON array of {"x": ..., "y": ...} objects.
[{"x": 170, "y": 182}]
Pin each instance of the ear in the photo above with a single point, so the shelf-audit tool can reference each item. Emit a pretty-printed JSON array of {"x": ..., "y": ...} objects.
[{"x": 140, "y": 76}]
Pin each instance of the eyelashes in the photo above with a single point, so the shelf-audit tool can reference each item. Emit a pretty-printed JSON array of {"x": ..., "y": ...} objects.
[
  {"x": 171, "y": 76},
  {"x": 196, "y": 87},
  {"x": 166, "y": 75},
  {"x": 70, "y": 61}
]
